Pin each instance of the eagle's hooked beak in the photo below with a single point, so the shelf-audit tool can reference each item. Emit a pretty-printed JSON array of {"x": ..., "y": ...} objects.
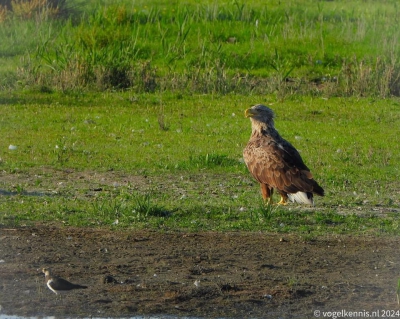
[{"x": 250, "y": 112}]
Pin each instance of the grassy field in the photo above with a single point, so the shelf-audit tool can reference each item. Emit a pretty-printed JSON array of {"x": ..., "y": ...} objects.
[
  {"x": 330, "y": 48},
  {"x": 190, "y": 150},
  {"x": 110, "y": 93}
]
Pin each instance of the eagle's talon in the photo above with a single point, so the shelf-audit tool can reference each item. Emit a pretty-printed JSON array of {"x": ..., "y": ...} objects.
[{"x": 282, "y": 202}]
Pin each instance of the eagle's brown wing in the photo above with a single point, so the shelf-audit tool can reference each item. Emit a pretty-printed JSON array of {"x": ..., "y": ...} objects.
[{"x": 279, "y": 165}]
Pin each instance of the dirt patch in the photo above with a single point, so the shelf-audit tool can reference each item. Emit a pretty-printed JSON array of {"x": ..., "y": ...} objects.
[{"x": 238, "y": 274}]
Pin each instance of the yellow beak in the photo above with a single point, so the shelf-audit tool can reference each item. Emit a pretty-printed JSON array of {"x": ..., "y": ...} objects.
[{"x": 250, "y": 112}]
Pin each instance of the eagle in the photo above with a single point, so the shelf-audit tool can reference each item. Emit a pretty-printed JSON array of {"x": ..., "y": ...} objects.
[{"x": 275, "y": 163}]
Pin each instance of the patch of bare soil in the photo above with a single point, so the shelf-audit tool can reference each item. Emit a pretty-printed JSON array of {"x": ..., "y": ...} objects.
[{"x": 239, "y": 274}]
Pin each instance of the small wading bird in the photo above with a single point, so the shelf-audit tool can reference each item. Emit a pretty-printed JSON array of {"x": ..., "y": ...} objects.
[
  {"x": 275, "y": 163},
  {"x": 57, "y": 284}
]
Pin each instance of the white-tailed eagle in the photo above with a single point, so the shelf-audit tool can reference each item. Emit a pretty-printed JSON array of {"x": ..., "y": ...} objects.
[{"x": 275, "y": 163}]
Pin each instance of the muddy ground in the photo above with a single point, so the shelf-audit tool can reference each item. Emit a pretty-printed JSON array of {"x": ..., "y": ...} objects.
[{"x": 241, "y": 275}]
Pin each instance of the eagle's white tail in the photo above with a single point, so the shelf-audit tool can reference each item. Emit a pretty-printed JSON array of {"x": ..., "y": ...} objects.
[{"x": 301, "y": 198}]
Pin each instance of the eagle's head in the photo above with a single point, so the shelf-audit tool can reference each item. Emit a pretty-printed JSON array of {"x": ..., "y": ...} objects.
[{"x": 260, "y": 115}]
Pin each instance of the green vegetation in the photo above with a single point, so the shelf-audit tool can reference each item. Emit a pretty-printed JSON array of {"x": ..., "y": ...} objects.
[
  {"x": 126, "y": 115},
  {"x": 195, "y": 176},
  {"x": 330, "y": 48}
]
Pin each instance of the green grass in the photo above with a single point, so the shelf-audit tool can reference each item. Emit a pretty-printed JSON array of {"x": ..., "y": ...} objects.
[
  {"x": 191, "y": 175},
  {"x": 131, "y": 115},
  {"x": 150, "y": 46},
  {"x": 126, "y": 208},
  {"x": 121, "y": 131}
]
